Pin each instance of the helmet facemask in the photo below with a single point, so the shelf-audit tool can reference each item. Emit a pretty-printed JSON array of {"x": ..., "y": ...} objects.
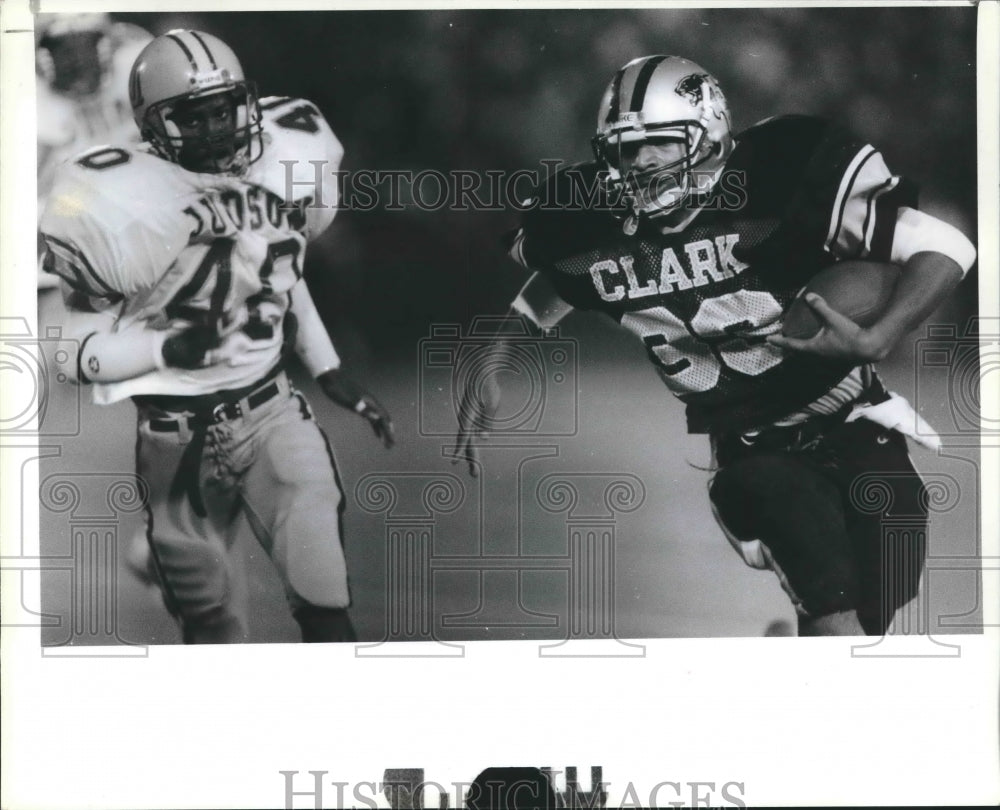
[
  {"x": 664, "y": 189},
  {"x": 675, "y": 107},
  {"x": 229, "y": 149}
]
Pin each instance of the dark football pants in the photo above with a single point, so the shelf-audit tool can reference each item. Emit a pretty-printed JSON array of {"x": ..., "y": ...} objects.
[
  {"x": 842, "y": 520},
  {"x": 269, "y": 472}
]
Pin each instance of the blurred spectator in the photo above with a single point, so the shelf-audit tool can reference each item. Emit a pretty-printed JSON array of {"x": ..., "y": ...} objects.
[{"x": 82, "y": 63}]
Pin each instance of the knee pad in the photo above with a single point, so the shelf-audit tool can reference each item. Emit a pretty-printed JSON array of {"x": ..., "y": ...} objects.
[{"x": 194, "y": 580}]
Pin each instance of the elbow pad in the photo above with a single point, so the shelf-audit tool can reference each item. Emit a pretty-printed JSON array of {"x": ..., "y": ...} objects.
[
  {"x": 917, "y": 232},
  {"x": 539, "y": 303}
]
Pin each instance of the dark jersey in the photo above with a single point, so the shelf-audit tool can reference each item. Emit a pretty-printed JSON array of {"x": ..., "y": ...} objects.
[{"x": 797, "y": 194}]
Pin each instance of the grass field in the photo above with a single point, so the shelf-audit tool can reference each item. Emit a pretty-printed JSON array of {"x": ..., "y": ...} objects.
[{"x": 672, "y": 574}]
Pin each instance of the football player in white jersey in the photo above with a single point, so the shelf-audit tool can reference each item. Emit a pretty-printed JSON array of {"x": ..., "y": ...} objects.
[{"x": 181, "y": 262}]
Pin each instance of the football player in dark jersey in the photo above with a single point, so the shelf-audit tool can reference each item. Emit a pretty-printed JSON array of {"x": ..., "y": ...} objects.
[{"x": 696, "y": 240}]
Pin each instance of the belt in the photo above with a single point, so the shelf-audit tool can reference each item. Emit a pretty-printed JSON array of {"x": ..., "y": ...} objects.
[
  {"x": 223, "y": 412},
  {"x": 799, "y": 436},
  {"x": 222, "y": 409}
]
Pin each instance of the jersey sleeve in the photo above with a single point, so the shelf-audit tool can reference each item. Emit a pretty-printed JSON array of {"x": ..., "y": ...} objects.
[
  {"x": 103, "y": 246},
  {"x": 832, "y": 192},
  {"x": 850, "y": 198},
  {"x": 306, "y": 157},
  {"x": 567, "y": 214},
  {"x": 78, "y": 249}
]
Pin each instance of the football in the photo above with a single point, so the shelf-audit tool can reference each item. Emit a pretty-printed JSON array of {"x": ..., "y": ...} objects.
[{"x": 858, "y": 289}]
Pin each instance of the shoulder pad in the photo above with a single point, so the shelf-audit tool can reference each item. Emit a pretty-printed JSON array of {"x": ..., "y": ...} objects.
[
  {"x": 290, "y": 113},
  {"x": 301, "y": 158},
  {"x": 785, "y": 128},
  {"x": 781, "y": 144},
  {"x": 568, "y": 213},
  {"x": 120, "y": 211}
]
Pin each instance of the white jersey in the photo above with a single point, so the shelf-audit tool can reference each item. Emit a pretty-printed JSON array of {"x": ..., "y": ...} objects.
[
  {"x": 155, "y": 243},
  {"x": 68, "y": 125}
]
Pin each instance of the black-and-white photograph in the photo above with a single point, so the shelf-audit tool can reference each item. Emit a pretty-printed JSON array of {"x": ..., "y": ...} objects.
[
  {"x": 680, "y": 318},
  {"x": 406, "y": 329}
]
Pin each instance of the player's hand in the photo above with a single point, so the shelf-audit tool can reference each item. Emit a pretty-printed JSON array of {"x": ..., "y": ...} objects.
[
  {"x": 191, "y": 347},
  {"x": 348, "y": 394},
  {"x": 378, "y": 417},
  {"x": 838, "y": 338},
  {"x": 478, "y": 409}
]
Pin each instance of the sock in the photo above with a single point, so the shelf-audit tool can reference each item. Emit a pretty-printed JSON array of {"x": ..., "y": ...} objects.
[{"x": 320, "y": 624}]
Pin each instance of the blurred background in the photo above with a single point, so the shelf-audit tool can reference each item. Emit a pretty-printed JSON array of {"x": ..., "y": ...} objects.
[{"x": 503, "y": 91}]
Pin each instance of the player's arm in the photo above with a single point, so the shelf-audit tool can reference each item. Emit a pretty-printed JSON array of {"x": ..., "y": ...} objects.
[
  {"x": 101, "y": 350},
  {"x": 865, "y": 211},
  {"x": 933, "y": 257},
  {"x": 536, "y": 307},
  {"x": 97, "y": 348},
  {"x": 318, "y": 355}
]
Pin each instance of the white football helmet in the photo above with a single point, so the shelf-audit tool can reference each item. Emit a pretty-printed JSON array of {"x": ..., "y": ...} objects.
[
  {"x": 185, "y": 66},
  {"x": 663, "y": 100}
]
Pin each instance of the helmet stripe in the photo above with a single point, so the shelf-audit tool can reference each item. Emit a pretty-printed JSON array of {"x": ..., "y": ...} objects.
[
  {"x": 642, "y": 82},
  {"x": 616, "y": 91},
  {"x": 187, "y": 51},
  {"x": 207, "y": 51}
]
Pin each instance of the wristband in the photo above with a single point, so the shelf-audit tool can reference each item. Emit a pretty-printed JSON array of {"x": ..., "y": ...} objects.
[
  {"x": 80, "y": 376},
  {"x": 362, "y": 406}
]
